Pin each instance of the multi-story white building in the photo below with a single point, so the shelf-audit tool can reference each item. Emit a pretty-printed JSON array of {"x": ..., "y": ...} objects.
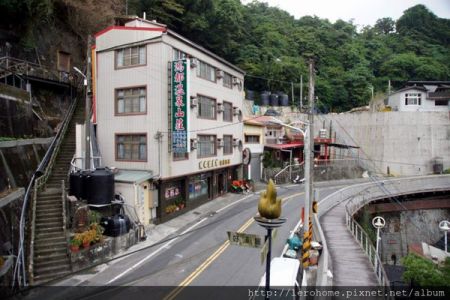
[{"x": 168, "y": 115}]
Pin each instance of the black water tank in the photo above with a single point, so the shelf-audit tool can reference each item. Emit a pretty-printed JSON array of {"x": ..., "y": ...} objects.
[
  {"x": 273, "y": 99},
  {"x": 265, "y": 98},
  {"x": 116, "y": 225},
  {"x": 77, "y": 184},
  {"x": 100, "y": 187},
  {"x": 250, "y": 95},
  {"x": 283, "y": 99}
]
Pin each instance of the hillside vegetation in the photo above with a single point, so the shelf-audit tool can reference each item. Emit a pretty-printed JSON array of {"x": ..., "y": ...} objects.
[{"x": 269, "y": 43}]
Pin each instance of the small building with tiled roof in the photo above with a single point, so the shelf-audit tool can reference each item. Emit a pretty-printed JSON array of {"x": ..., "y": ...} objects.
[{"x": 421, "y": 96}]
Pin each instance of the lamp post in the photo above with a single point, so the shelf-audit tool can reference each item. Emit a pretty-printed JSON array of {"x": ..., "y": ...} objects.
[
  {"x": 307, "y": 157},
  {"x": 378, "y": 222},
  {"x": 445, "y": 226}
]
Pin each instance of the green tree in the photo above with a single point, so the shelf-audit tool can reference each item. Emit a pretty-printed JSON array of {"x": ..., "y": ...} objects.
[{"x": 424, "y": 272}]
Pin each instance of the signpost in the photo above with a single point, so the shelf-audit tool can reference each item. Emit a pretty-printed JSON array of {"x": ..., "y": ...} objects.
[{"x": 244, "y": 239}]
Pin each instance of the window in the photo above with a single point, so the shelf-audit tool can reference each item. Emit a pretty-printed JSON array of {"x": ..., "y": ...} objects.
[
  {"x": 227, "y": 144},
  {"x": 413, "y": 99},
  {"x": 227, "y": 80},
  {"x": 206, "y": 71},
  {"x": 178, "y": 54},
  {"x": 252, "y": 139},
  {"x": 180, "y": 156},
  {"x": 63, "y": 61},
  {"x": 206, "y": 107},
  {"x": 131, "y": 147},
  {"x": 132, "y": 56},
  {"x": 206, "y": 146},
  {"x": 131, "y": 101},
  {"x": 227, "y": 112},
  {"x": 441, "y": 103}
]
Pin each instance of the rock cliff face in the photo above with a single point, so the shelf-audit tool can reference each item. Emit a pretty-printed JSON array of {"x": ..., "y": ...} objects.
[{"x": 36, "y": 30}]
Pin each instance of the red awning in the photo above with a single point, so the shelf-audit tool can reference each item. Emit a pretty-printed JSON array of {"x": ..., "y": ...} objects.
[{"x": 285, "y": 146}]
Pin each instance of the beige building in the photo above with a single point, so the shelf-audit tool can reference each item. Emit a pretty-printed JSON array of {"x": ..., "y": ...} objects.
[{"x": 169, "y": 108}]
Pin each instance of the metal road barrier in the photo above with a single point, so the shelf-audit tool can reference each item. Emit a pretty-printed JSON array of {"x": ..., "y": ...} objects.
[{"x": 357, "y": 196}]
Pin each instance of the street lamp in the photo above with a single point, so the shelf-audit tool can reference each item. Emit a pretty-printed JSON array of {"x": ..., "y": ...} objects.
[
  {"x": 378, "y": 222},
  {"x": 82, "y": 74},
  {"x": 445, "y": 226}
]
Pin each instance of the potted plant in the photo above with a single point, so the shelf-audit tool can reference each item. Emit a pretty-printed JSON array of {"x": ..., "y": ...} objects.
[
  {"x": 86, "y": 239},
  {"x": 75, "y": 243}
]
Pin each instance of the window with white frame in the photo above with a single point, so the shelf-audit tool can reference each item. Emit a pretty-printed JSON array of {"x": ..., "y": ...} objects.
[
  {"x": 252, "y": 139},
  {"x": 206, "y": 107},
  {"x": 227, "y": 112},
  {"x": 227, "y": 80},
  {"x": 131, "y": 147},
  {"x": 131, "y": 100},
  {"x": 413, "y": 98},
  {"x": 227, "y": 144},
  {"x": 206, "y": 146},
  {"x": 206, "y": 71},
  {"x": 131, "y": 56},
  {"x": 178, "y": 54}
]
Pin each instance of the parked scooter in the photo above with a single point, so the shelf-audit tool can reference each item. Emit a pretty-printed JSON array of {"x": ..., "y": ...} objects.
[{"x": 298, "y": 180}]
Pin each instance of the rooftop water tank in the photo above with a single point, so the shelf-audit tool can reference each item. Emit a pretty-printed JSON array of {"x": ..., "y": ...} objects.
[
  {"x": 116, "y": 225},
  {"x": 273, "y": 99},
  {"x": 283, "y": 99},
  {"x": 77, "y": 184},
  {"x": 250, "y": 95},
  {"x": 100, "y": 187},
  {"x": 265, "y": 98}
]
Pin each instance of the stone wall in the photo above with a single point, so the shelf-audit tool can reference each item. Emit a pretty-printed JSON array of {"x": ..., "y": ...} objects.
[
  {"x": 406, "y": 143},
  {"x": 410, "y": 227}
]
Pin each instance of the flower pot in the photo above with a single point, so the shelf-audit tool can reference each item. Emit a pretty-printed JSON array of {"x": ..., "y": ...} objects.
[
  {"x": 74, "y": 248},
  {"x": 86, "y": 245}
]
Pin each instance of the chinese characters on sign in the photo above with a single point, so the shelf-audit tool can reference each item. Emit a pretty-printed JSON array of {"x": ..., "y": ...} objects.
[{"x": 180, "y": 106}]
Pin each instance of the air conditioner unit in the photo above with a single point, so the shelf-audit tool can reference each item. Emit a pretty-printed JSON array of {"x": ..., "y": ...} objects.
[
  {"x": 219, "y": 73},
  {"x": 235, "y": 142},
  {"x": 236, "y": 111},
  {"x": 193, "y": 144},
  {"x": 220, "y": 107},
  {"x": 194, "y": 101},
  {"x": 219, "y": 143},
  {"x": 194, "y": 62}
]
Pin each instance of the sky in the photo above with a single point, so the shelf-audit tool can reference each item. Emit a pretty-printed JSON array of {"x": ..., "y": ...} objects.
[{"x": 363, "y": 12}]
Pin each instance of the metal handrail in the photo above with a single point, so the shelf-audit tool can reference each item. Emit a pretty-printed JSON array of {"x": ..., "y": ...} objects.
[
  {"x": 37, "y": 180},
  {"x": 364, "y": 193},
  {"x": 285, "y": 168},
  {"x": 74, "y": 168},
  {"x": 369, "y": 249}
]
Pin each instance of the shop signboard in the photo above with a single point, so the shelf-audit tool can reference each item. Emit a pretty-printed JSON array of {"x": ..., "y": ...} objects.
[{"x": 180, "y": 106}]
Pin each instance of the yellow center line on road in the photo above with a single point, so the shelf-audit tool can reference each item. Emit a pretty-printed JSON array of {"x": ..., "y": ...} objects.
[{"x": 212, "y": 258}]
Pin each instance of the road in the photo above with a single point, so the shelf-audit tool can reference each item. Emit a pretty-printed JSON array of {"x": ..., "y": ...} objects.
[{"x": 201, "y": 256}]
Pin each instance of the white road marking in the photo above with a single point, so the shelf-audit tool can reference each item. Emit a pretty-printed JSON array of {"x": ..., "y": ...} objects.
[
  {"x": 154, "y": 253},
  {"x": 231, "y": 204}
]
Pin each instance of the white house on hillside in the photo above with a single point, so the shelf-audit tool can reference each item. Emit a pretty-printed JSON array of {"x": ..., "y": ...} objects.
[{"x": 421, "y": 96}]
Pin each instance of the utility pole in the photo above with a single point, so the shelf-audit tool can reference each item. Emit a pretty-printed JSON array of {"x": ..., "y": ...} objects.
[
  {"x": 301, "y": 92},
  {"x": 292, "y": 92},
  {"x": 309, "y": 167},
  {"x": 87, "y": 123}
]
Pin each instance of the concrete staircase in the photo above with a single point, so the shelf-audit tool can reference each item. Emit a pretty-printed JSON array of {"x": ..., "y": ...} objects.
[{"x": 51, "y": 258}]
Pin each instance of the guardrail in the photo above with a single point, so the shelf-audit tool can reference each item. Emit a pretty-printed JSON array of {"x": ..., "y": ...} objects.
[{"x": 360, "y": 195}]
